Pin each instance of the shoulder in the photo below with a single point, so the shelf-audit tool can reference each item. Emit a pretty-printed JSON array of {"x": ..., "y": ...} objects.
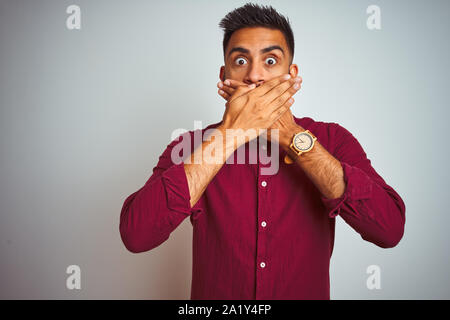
[{"x": 321, "y": 128}]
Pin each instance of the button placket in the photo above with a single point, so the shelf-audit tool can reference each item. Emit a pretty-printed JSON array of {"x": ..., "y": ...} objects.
[{"x": 261, "y": 254}]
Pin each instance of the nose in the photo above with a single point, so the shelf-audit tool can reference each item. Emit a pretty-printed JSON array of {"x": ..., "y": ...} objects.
[{"x": 255, "y": 74}]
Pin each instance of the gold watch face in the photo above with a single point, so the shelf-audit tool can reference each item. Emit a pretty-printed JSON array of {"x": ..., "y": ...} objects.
[{"x": 303, "y": 141}]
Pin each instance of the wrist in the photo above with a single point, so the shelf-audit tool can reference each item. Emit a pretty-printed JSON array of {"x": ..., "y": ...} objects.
[
  {"x": 233, "y": 138},
  {"x": 287, "y": 135}
]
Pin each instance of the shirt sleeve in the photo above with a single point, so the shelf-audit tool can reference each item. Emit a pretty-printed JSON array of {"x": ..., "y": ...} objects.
[
  {"x": 149, "y": 215},
  {"x": 370, "y": 206}
]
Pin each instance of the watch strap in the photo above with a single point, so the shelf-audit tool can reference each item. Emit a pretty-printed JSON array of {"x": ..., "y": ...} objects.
[{"x": 288, "y": 159}]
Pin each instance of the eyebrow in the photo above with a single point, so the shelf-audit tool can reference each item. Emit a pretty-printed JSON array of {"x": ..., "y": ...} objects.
[{"x": 244, "y": 50}]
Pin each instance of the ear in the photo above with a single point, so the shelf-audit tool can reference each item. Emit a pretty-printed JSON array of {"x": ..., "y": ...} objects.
[
  {"x": 293, "y": 70},
  {"x": 222, "y": 73}
]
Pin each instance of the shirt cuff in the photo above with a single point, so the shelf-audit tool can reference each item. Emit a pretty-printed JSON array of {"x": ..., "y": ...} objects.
[
  {"x": 177, "y": 191},
  {"x": 358, "y": 187}
]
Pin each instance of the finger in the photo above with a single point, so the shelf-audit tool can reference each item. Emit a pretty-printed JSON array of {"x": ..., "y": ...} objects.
[
  {"x": 240, "y": 91},
  {"x": 227, "y": 93},
  {"x": 269, "y": 85},
  {"x": 224, "y": 95},
  {"x": 292, "y": 84},
  {"x": 230, "y": 83},
  {"x": 234, "y": 83},
  {"x": 278, "y": 113},
  {"x": 283, "y": 98},
  {"x": 229, "y": 86},
  {"x": 228, "y": 90},
  {"x": 281, "y": 93}
]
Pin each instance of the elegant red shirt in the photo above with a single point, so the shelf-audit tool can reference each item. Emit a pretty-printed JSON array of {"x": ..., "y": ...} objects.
[{"x": 264, "y": 236}]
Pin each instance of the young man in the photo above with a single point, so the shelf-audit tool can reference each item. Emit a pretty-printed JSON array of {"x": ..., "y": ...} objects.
[{"x": 256, "y": 235}]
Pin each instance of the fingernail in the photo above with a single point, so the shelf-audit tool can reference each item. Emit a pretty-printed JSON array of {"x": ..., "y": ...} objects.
[
  {"x": 296, "y": 85},
  {"x": 220, "y": 84},
  {"x": 221, "y": 92},
  {"x": 251, "y": 86},
  {"x": 298, "y": 79},
  {"x": 287, "y": 76},
  {"x": 227, "y": 82}
]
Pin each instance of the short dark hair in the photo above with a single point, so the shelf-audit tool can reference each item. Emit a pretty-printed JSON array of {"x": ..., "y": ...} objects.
[{"x": 253, "y": 15}]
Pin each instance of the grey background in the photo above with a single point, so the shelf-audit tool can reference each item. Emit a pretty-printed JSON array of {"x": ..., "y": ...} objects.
[{"x": 86, "y": 113}]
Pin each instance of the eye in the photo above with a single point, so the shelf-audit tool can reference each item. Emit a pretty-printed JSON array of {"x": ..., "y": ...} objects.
[
  {"x": 240, "y": 61},
  {"x": 271, "y": 61}
]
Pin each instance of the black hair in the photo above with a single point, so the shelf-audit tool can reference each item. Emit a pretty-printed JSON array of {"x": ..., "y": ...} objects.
[{"x": 253, "y": 15}]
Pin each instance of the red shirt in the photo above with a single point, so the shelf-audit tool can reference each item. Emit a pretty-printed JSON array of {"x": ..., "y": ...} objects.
[{"x": 264, "y": 236}]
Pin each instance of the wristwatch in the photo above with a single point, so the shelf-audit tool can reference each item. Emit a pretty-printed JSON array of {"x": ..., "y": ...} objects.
[{"x": 301, "y": 142}]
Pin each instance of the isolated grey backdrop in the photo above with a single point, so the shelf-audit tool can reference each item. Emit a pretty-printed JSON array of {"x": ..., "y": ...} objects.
[{"x": 86, "y": 113}]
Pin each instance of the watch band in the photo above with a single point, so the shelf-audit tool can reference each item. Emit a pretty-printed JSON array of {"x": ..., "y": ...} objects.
[{"x": 288, "y": 159}]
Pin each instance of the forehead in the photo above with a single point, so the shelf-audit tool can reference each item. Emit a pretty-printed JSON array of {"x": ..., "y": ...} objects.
[{"x": 256, "y": 38}]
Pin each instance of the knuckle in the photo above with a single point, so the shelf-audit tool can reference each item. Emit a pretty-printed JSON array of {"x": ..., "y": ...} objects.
[
  {"x": 280, "y": 100},
  {"x": 279, "y": 90},
  {"x": 290, "y": 94},
  {"x": 259, "y": 118},
  {"x": 271, "y": 85}
]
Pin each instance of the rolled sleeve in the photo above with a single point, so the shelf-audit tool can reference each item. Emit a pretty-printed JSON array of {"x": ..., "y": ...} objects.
[
  {"x": 177, "y": 191},
  {"x": 358, "y": 187}
]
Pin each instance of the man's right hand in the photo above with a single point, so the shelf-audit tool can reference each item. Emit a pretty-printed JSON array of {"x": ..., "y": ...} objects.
[{"x": 258, "y": 108}]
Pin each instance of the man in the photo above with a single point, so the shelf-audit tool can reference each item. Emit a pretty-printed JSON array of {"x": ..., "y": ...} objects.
[{"x": 263, "y": 236}]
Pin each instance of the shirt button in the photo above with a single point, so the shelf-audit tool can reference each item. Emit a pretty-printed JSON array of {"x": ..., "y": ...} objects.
[
  {"x": 264, "y": 183},
  {"x": 262, "y": 265},
  {"x": 263, "y": 224}
]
